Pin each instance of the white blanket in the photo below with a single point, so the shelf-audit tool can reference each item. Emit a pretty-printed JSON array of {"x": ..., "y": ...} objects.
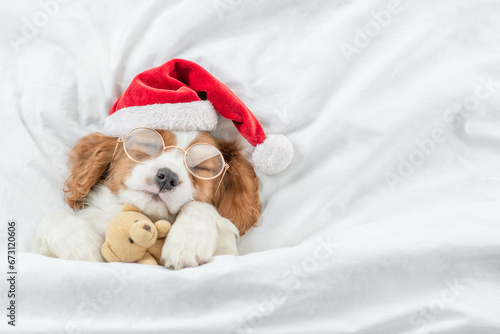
[{"x": 388, "y": 219}]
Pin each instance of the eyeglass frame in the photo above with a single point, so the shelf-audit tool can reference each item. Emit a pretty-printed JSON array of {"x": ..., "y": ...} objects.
[{"x": 222, "y": 171}]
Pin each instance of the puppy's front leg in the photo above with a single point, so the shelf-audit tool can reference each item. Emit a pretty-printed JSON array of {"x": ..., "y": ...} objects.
[
  {"x": 61, "y": 234},
  {"x": 193, "y": 238}
]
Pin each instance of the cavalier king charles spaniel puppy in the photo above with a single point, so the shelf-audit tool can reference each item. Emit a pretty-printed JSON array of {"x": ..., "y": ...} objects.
[{"x": 203, "y": 185}]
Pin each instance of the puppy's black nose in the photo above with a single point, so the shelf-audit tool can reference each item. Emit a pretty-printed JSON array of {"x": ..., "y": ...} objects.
[{"x": 166, "y": 179}]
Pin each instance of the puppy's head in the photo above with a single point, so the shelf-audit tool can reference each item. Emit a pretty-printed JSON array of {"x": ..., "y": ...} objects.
[{"x": 160, "y": 186}]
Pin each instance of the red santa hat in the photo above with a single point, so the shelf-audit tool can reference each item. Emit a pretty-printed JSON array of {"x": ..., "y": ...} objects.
[{"x": 182, "y": 96}]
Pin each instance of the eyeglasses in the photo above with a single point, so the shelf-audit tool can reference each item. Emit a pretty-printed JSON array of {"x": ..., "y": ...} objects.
[{"x": 202, "y": 160}]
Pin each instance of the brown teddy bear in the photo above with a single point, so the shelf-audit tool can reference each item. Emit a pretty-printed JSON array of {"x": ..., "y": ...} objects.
[{"x": 131, "y": 236}]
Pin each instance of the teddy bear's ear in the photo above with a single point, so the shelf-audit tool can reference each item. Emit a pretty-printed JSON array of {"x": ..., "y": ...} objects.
[
  {"x": 163, "y": 227},
  {"x": 129, "y": 207},
  {"x": 108, "y": 253}
]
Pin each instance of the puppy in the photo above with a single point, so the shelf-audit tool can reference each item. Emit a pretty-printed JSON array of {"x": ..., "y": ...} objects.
[{"x": 181, "y": 181}]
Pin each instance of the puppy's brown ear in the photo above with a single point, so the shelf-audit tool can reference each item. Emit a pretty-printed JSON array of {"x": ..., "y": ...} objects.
[
  {"x": 88, "y": 161},
  {"x": 238, "y": 196}
]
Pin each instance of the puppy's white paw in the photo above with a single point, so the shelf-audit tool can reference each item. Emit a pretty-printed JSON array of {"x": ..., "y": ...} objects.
[
  {"x": 193, "y": 237},
  {"x": 180, "y": 251},
  {"x": 65, "y": 236},
  {"x": 86, "y": 247}
]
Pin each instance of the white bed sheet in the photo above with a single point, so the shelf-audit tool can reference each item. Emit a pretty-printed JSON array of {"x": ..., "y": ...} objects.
[{"x": 387, "y": 221}]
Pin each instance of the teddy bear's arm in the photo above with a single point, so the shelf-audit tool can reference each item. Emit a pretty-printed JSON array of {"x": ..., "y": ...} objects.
[
  {"x": 147, "y": 259},
  {"x": 163, "y": 227},
  {"x": 108, "y": 253}
]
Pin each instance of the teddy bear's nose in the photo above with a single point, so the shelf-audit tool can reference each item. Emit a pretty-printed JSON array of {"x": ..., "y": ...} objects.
[{"x": 147, "y": 227}]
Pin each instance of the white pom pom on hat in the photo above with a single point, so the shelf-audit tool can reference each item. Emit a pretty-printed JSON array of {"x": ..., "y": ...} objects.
[
  {"x": 182, "y": 96},
  {"x": 273, "y": 155}
]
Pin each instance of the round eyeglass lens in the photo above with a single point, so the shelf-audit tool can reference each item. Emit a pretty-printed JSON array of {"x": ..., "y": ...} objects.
[
  {"x": 204, "y": 161},
  {"x": 142, "y": 144}
]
